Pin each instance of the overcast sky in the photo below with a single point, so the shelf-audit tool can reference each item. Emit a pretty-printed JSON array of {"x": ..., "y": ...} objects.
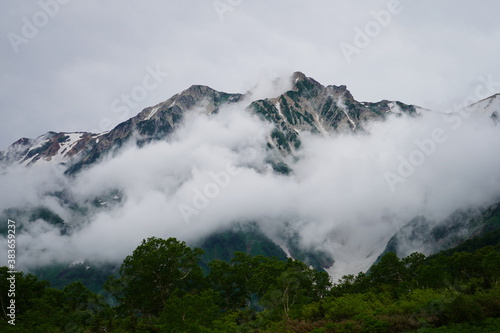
[{"x": 68, "y": 70}]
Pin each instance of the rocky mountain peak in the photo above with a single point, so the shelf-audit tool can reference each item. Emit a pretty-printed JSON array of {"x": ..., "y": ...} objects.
[
  {"x": 304, "y": 84},
  {"x": 298, "y": 75}
]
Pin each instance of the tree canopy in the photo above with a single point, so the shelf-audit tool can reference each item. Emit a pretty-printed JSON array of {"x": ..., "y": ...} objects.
[{"x": 161, "y": 288}]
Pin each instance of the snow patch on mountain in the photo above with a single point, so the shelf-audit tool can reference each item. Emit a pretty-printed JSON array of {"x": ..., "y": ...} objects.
[
  {"x": 152, "y": 113},
  {"x": 394, "y": 108}
]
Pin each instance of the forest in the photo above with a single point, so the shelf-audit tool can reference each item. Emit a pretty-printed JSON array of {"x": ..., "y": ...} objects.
[{"x": 161, "y": 287}]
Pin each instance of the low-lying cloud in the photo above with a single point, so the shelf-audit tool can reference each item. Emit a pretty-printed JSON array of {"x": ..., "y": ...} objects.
[{"x": 337, "y": 198}]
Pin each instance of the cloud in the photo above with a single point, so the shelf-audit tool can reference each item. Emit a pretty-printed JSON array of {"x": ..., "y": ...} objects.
[{"x": 337, "y": 198}]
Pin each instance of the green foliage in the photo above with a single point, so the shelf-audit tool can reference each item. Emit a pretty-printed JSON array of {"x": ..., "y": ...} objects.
[
  {"x": 488, "y": 326},
  {"x": 191, "y": 312},
  {"x": 161, "y": 288},
  {"x": 156, "y": 270},
  {"x": 280, "y": 138},
  {"x": 281, "y": 167},
  {"x": 285, "y": 108},
  {"x": 262, "y": 108},
  {"x": 40, "y": 308}
]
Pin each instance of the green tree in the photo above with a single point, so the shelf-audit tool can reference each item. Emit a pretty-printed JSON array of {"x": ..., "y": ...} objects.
[
  {"x": 491, "y": 267},
  {"x": 231, "y": 282},
  {"x": 84, "y": 308},
  {"x": 413, "y": 262},
  {"x": 26, "y": 288},
  {"x": 156, "y": 270},
  {"x": 390, "y": 270},
  {"x": 46, "y": 312},
  {"x": 190, "y": 313},
  {"x": 290, "y": 285},
  {"x": 244, "y": 277}
]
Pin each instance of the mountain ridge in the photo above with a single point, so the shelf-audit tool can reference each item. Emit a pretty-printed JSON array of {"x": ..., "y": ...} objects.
[{"x": 307, "y": 106}]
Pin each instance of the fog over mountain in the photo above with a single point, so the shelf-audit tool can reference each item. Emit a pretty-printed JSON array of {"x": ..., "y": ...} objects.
[{"x": 346, "y": 190}]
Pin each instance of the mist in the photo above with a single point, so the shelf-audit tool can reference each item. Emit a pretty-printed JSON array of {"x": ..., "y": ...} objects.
[{"x": 346, "y": 194}]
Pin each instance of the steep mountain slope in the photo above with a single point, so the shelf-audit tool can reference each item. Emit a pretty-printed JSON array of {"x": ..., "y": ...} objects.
[
  {"x": 50, "y": 147},
  {"x": 429, "y": 237}
]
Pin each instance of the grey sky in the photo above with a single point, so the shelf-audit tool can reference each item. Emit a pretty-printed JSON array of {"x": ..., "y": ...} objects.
[{"x": 89, "y": 53}]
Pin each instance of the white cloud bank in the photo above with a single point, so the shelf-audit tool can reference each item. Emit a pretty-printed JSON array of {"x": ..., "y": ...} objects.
[{"x": 337, "y": 199}]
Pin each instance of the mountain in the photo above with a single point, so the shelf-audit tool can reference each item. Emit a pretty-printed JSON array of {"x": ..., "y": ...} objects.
[
  {"x": 306, "y": 108},
  {"x": 78, "y": 150},
  {"x": 430, "y": 236}
]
